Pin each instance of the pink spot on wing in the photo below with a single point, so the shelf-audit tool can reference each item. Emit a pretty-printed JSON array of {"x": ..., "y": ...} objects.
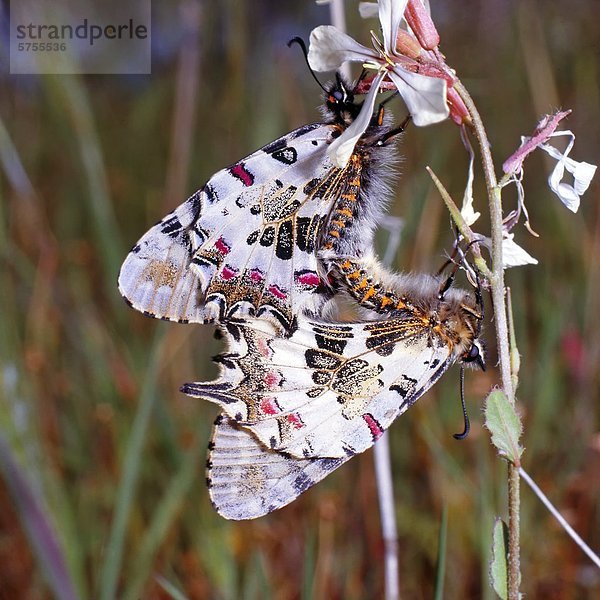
[
  {"x": 269, "y": 406},
  {"x": 256, "y": 275},
  {"x": 295, "y": 421},
  {"x": 228, "y": 273},
  {"x": 263, "y": 348},
  {"x": 308, "y": 278},
  {"x": 374, "y": 426},
  {"x": 272, "y": 379},
  {"x": 277, "y": 292},
  {"x": 222, "y": 246},
  {"x": 240, "y": 172}
]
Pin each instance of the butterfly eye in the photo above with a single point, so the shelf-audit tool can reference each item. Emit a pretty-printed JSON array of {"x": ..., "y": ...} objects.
[{"x": 473, "y": 354}]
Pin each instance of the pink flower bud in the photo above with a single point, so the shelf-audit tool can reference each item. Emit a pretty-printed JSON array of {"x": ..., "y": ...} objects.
[
  {"x": 545, "y": 128},
  {"x": 407, "y": 45},
  {"x": 420, "y": 22},
  {"x": 458, "y": 111}
]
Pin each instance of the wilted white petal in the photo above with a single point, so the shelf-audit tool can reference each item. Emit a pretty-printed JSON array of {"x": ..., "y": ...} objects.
[
  {"x": 330, "y": 48},
  {"x": 424, "y": 96},
  {"x": 513, "y": 255},
  {"x": 390, "y": 16},
  {"x": 582, "y": 172},
  {"x": 368, "y": 10},
  {"x": 340, "y": 150},
  {"x": 467, "y": 211}
]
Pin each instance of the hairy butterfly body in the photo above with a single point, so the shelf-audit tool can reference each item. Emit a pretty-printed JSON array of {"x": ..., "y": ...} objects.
[
  {"x": 295, "y": 408},
  {"x": 247, "y": 242}
]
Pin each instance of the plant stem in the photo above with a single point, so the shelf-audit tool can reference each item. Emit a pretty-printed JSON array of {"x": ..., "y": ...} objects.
[
  {"x": 383, "y": 462},
  {"x": 385, "y": 492},
  {"x": 498, "y": 295},
  {"x": 563, "y": 523}
]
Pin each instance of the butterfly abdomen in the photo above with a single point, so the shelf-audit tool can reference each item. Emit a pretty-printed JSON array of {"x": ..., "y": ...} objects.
[{"x": 454, "y": 319}]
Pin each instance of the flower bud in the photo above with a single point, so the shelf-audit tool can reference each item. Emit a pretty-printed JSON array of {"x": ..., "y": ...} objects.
[
  {"x": 407, "y": 44},
  {"x": 420, "y": 22},
  {"x": 458, "y": 111}
]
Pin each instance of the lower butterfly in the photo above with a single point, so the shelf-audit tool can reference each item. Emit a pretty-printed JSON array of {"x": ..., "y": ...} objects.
[
  {"x": 295, "y": 408},
  {"x": 247, "y": 242}
]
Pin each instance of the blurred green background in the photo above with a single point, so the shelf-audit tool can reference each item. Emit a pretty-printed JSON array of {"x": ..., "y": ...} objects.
[{"x": 99, "y": 447}]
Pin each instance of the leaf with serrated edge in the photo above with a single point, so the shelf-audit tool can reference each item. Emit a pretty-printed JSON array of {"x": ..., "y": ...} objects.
[
  {"x": 498, "y": 565},
  {"x": 504, "y": 424}
]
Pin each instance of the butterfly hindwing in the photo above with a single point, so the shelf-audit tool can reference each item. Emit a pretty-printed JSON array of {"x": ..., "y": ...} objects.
[
  {"x": 329, "y": 390},
  {"x": 246, "y": 242},
  {"x": 246, "y": 480}
]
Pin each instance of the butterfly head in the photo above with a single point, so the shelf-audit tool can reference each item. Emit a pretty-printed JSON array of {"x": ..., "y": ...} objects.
[
  {"x": 475, "y": 355},
  {"x": 473, "y": 350},
  {"x": 339, "y": 101}
]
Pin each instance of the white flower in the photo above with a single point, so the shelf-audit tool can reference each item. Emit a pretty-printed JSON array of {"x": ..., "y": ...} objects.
[
  {"x": 582, "y": 173},
  {"x": 467, "y": 211},
  {"x": 513, "y": 255},
  {"x": 424, "y": 96},
  {"x": 368, "y": 10}
]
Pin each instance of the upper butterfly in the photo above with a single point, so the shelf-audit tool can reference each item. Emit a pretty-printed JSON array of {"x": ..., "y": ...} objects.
[{"x": 246, "y": 243}]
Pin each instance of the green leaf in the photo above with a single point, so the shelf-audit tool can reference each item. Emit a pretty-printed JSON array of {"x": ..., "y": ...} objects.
[
  {"x": 498, "y": 564},
  {"x": 504, "y": 424}
]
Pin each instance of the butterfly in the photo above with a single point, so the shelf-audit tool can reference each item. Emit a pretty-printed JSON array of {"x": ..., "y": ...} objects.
[
  {"x": 246, "y": 243},
  {"x": 296, "y": 407}
]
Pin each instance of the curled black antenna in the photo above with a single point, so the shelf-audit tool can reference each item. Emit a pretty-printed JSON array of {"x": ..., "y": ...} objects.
[
  {"x": 300, "y": 42},
  {"x": 465, "y": 433}
]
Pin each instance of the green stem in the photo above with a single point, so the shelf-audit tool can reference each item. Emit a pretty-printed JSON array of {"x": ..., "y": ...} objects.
[{"x": 500, "y": 319}]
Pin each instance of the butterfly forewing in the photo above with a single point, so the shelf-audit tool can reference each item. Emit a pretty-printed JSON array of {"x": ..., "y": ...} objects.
[
  {"x": 245, "y": 243},
  {"x": 329, "y": 390}
]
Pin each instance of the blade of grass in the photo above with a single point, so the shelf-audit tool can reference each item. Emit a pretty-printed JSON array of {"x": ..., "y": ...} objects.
[
  {"x": 163, "y": 518},
  {"x": 174, "y": 592},
  {"x": 440, "y": 570},
  {"x": 131, "y": 471},
  {"x": 37, "y": 525},
  {"x": 73, "y": 95}
]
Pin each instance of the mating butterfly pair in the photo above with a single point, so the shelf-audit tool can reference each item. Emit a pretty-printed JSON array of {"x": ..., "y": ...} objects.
[{"x": 261, "y": 249}]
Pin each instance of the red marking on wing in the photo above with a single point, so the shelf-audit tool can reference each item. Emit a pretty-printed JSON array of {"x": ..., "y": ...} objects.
[
  {"x": 240, "y": 172},
  {"x": 222, "y": 246},
  {"x": 295, "y": 420},
  {"x": 269, "y": 406},
  {"x": 272, "y": 379},
  {"x": 263, "y": 347},
  {"x": 374, "y": 426},
  {"x": 277, "y": 292},
  {"x": 228, "y": 273},
  {"x": 256, "y": 276},
  {"x": 308, "y": 278}
]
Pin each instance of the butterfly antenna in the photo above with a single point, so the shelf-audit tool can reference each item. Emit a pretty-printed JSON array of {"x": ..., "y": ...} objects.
[
  {"x": 449, "y": 280},
  {"x": 479, "y": 300},
  {"x": 465, "y": 433},
  {"x": 300, "y": 42}
]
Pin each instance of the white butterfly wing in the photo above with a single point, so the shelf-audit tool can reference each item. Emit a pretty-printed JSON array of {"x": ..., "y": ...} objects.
[
  {"x": 329, "y": 390},
  {"x": 246, "y": 242},
  {"x": 246, "y": 480}
]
